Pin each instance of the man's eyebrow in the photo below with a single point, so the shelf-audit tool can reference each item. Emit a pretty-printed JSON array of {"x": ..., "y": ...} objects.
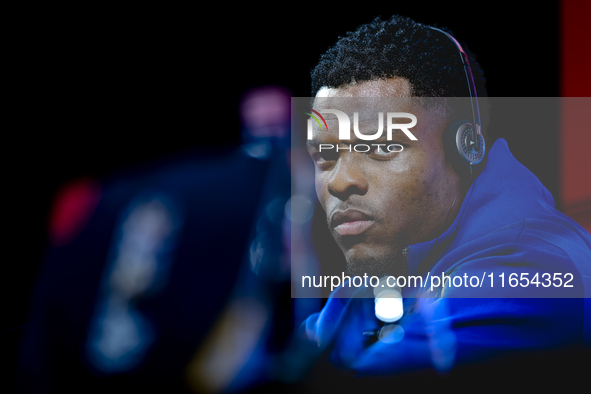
[
  {"x": 396, "y": 133},
  {"x": 315, "y": 143}
]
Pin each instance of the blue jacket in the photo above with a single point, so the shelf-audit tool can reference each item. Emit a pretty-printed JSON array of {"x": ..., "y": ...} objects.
[{"x": 507, "y": 225}]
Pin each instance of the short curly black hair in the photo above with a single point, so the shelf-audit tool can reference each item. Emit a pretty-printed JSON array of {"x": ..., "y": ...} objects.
[{"x": 399, "y": 47}]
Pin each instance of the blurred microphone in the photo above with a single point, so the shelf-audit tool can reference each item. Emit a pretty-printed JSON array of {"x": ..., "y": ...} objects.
[{"x": 388, "y": 301}]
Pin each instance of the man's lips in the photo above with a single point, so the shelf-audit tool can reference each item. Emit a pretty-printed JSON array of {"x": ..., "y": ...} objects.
[
  {"x": 350, "y": 222},
  {"x": 353, "y": 228}
]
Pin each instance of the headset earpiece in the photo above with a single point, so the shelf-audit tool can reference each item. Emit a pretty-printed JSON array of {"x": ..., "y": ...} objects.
[
  {"x": 462, "y": 148},
  {"x": 470, "y": 145}
]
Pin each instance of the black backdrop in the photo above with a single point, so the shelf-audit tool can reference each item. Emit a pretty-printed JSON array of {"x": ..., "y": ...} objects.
[{"x": 99, "y": 90}]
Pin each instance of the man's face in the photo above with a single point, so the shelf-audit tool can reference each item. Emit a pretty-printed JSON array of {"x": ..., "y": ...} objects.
[{"x": 379, "y": 202}]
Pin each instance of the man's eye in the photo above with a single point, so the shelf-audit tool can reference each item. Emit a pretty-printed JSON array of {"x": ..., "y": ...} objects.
[
  {"x": 324, "y": 156},
  {"x": 385, "y": 151}
]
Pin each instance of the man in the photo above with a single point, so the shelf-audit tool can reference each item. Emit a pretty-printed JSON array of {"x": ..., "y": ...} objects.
[{"x": 419, "y": 211}]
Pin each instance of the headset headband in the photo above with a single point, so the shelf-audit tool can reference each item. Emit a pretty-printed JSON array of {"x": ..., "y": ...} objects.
[{"x": 471, "y": 84}]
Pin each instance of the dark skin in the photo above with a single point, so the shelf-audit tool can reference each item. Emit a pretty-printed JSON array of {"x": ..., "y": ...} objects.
[{"x": 378, "y": 203}]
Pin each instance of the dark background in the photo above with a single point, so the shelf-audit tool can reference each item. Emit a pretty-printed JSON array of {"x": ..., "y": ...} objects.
[{"x": 101, "y": 90}]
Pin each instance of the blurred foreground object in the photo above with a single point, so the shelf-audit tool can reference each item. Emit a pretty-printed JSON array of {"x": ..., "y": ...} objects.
[{"x": 182, "y": 260}]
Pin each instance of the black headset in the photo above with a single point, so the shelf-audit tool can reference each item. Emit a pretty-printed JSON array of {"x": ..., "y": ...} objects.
[{"x": 463, "y": 140}]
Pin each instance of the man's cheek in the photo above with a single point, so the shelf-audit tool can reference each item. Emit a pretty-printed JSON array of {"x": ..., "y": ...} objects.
[{"x": 321, "y": 192}]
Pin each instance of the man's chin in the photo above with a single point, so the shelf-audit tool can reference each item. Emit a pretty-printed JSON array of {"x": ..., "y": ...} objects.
[
  {"x": 364, "y": 259},
  {"x": 369, "y": 266}
]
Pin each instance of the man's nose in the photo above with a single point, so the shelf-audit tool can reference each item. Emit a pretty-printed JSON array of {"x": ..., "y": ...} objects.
[{"x": 347, "y": 178}]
